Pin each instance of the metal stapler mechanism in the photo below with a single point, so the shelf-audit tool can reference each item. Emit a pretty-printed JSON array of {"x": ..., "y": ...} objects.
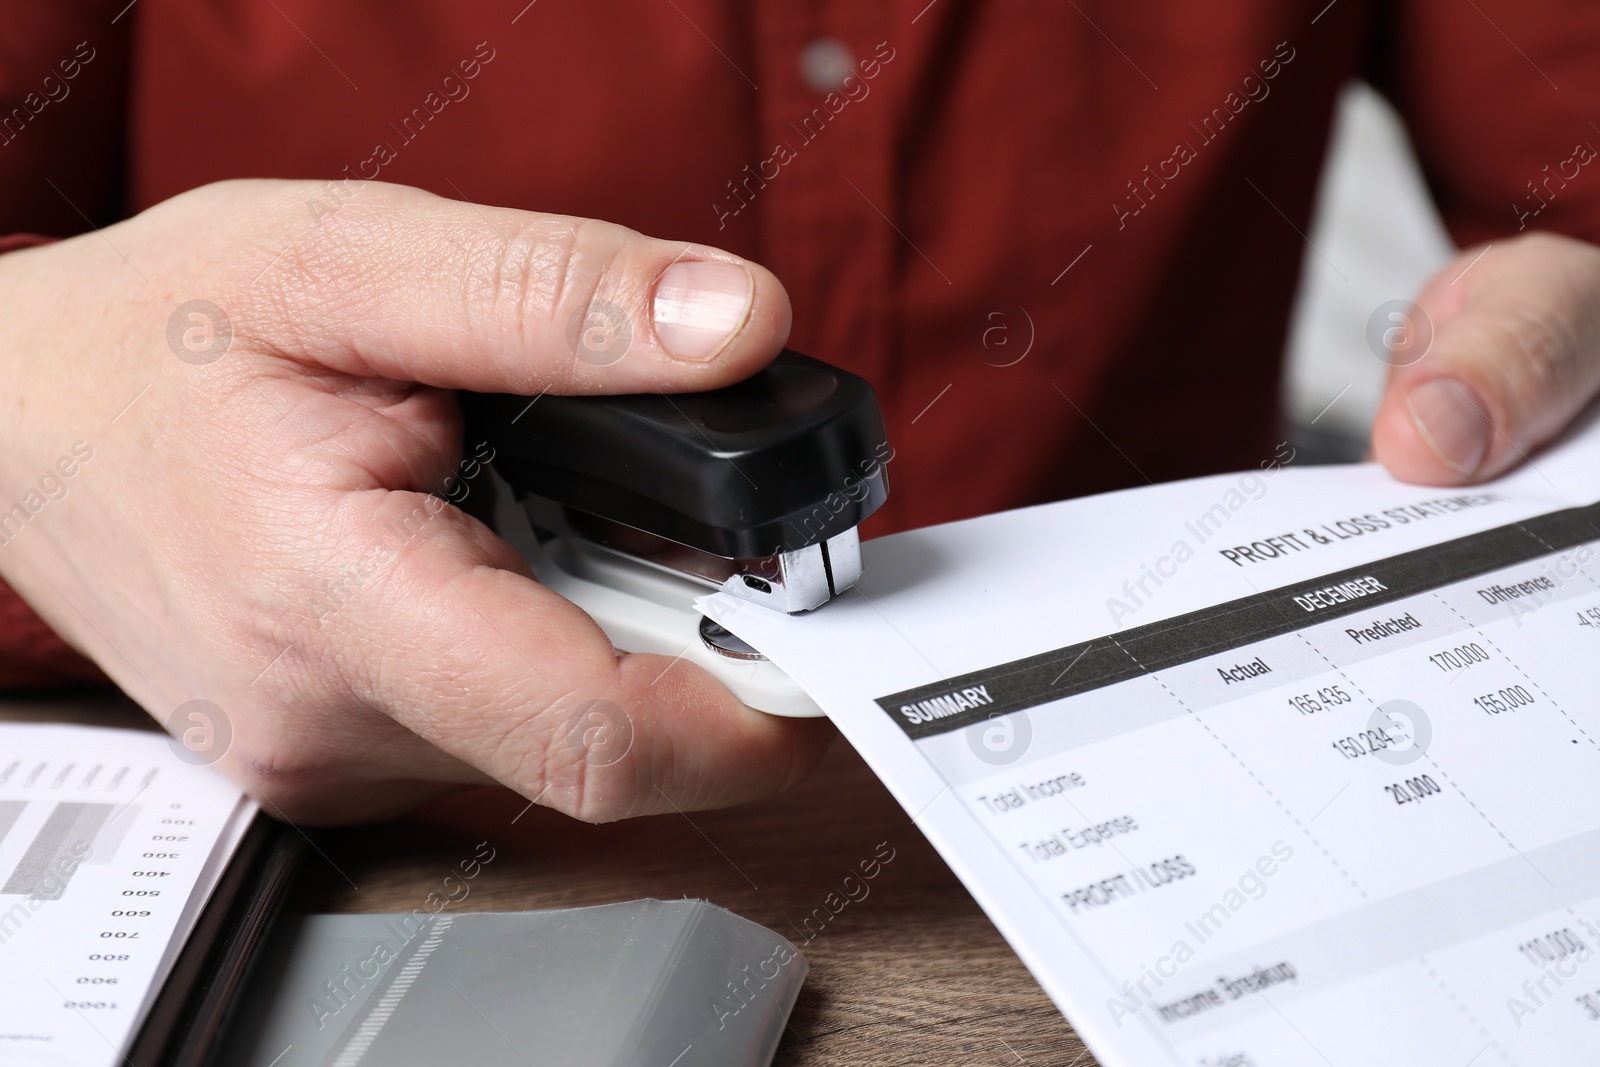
[{"x": 633, "y": 506}]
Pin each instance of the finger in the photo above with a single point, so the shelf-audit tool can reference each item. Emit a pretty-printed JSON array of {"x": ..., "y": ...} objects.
[
  {"x": 1510, "y": 354},
  {"x": 407, "y": 285},
  {"x": 458, "y": 646}
]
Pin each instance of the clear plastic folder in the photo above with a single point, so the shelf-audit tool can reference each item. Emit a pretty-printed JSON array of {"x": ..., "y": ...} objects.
[{"x": 645, "y": 982}]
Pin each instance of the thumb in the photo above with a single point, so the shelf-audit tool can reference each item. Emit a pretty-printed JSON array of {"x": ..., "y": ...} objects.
[
  {"x": 401, "y": 284},
  {"x": 1500, "y": 353}
]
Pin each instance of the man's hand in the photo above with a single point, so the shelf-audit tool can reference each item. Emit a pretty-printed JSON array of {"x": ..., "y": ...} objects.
[
  {"x": 263, "y": 392},
  {"x": 1507, "y": 355}
]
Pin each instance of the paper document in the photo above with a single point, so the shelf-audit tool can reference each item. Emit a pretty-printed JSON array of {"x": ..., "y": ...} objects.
[
  {"x": 1298, "y": 766},
  {"x": 110, "y": 845}
]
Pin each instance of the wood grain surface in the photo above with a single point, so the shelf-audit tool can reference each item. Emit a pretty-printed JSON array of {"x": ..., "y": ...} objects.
[{"x": 908, "y": 971}]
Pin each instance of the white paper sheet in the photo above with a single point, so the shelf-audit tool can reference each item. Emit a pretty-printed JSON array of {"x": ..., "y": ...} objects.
[
  {"x": 1334, "y": 799},
  {"x": 110, "y": 846}
]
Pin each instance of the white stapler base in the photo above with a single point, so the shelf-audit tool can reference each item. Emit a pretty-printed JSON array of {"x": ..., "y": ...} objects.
[{"x": 644, "y": 608}]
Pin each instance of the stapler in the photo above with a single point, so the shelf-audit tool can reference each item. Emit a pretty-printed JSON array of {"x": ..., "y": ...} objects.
[{"x": 633, "y": 506}]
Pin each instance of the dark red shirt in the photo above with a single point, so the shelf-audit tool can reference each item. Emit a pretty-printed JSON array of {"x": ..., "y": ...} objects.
[{"x": 1060, "y": 238}]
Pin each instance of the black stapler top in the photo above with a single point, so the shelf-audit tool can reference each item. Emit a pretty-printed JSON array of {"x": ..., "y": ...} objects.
[{"x": 756, "y": 488}]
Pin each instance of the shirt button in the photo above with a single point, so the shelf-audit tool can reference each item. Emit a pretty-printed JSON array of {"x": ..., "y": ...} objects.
[{"x": 825, "y": 64}]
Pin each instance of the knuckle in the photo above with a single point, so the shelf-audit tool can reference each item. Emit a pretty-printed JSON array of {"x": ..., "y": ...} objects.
[
  {"x": 1544, "y": 346},
  {"x": 538, "y": 277},
  {"x": 533, "y": 267},
  {"x": 550, "y": 757},
  {"x": 532, "y": 272},
  {"x": 591, "y": 794}
]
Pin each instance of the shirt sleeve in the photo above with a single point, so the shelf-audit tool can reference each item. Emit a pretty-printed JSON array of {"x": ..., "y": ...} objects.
[
  {"x": 1502, "y": 98},
  {"x": 63, "y": 101},
  {"x": 22, "y": 240},
  {"x": 33, "y": 655}
]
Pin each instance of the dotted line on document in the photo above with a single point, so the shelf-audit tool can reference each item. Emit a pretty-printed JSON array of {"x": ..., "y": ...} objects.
[
  {"x": 1432, "y": 762},
  {"x": 1303, "y": 828},
  {"x": 1465, "y": 1011}
]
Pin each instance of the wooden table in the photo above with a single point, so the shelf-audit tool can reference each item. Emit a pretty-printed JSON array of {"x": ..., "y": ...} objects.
[{"x": 912, "y": 973}]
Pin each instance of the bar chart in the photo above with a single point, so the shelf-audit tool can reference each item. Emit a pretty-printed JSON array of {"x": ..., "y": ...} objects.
[{"x": 109, "y": 847}]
